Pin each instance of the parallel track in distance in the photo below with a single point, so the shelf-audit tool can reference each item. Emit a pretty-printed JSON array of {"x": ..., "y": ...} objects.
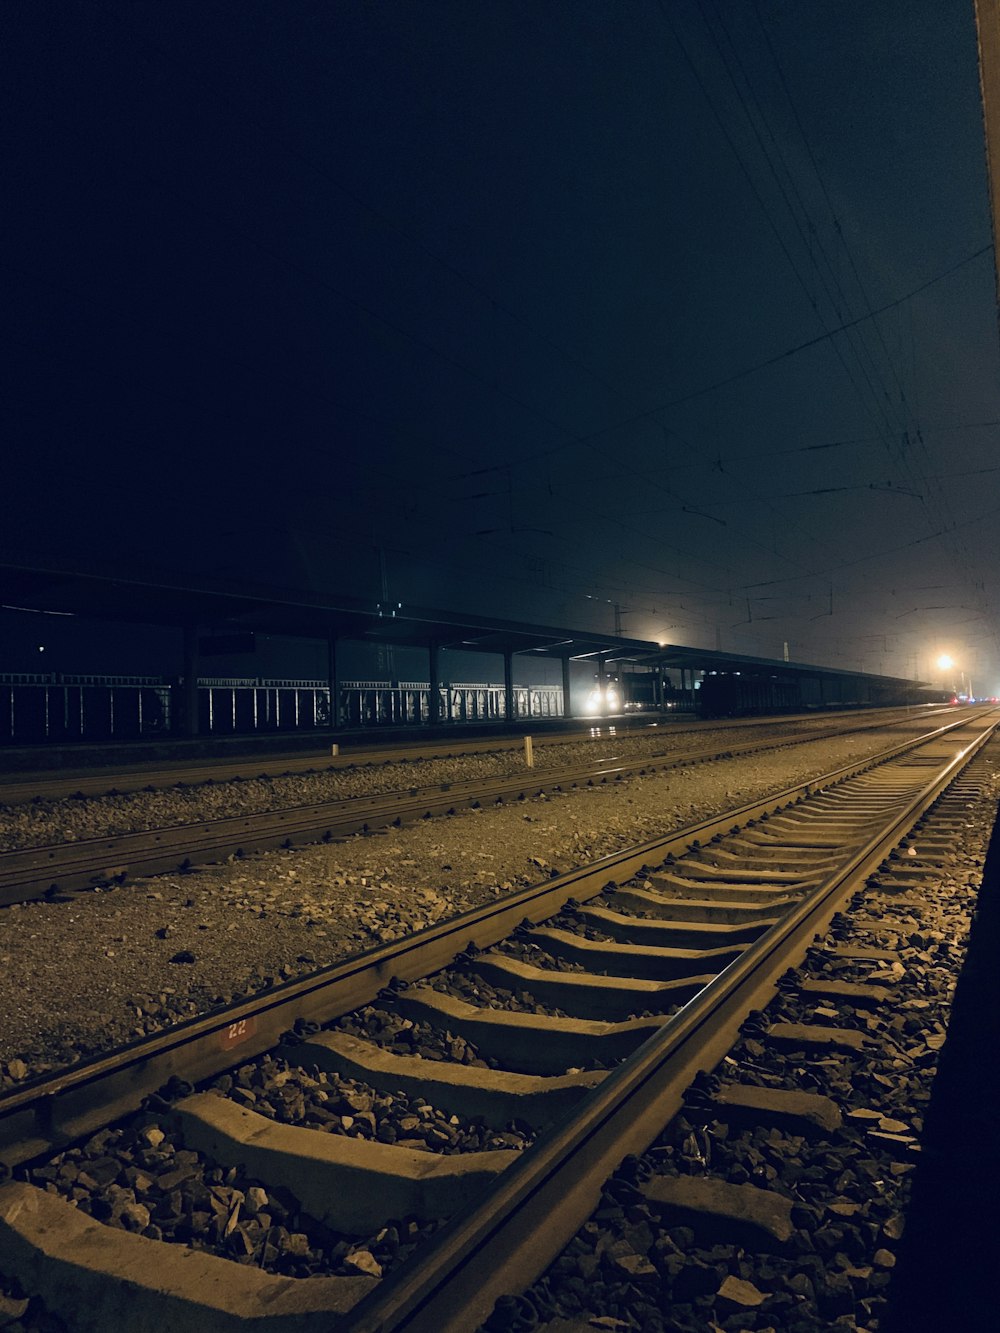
[
  {"x": 16, "y": 790},
  {"x": 65, "y": 867}
]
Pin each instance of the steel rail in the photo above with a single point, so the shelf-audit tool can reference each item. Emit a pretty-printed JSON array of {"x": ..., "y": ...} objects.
[
  {"x": 51, "y": 1112},
  {"x": 37, "y": 871},
  {"x": 501, "y": 1244}
]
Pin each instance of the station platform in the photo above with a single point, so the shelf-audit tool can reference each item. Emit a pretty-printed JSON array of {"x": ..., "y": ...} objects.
[{"x": 947, "y": 1276}]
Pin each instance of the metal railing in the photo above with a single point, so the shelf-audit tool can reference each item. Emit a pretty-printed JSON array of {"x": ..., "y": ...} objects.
[{"x": 39, "y": 707}]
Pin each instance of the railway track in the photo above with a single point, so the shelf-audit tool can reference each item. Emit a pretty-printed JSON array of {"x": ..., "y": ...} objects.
[
  {"x": 631, "y": 994},
  {"x": 16, "y": 790},
  {"x": 35, "y": 872}
]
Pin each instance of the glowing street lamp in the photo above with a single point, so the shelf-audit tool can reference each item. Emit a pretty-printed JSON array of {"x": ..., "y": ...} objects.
[{"x": 946, "y": 663}]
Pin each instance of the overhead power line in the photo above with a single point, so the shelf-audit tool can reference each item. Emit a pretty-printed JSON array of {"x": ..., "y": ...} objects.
[{"x": 701, "y": 392}]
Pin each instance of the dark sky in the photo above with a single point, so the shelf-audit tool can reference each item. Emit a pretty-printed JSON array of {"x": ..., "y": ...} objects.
[{"x": 544, "y": 301}]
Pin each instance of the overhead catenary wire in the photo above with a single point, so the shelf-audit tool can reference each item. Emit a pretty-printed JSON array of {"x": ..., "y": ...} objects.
[{"x": 794, "y": 204}]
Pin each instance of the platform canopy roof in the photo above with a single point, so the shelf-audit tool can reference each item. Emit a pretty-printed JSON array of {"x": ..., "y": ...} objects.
[{"x": 231, "y": 605}]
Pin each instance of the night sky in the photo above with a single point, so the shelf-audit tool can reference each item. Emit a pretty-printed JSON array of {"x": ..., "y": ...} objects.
[{"x": 534, "y": 307}]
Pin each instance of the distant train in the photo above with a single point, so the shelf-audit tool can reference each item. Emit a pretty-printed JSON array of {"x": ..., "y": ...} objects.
[
  {"x": 735, "y": 694},
  {"x": 629, "y": 692},
  {"x": 739, "y": 694},
  {"x": 718, "y": 694}
]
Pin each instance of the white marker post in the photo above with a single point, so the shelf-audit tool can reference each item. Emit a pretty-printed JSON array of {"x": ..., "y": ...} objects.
[{"x": 529, "y": 752}]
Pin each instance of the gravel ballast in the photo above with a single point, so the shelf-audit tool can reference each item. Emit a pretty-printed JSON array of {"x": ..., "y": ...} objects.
[
  {"x": 139, "y": 1177},
  {"x": 83, "y": 976},
  {"x": 47, "y": 821}
]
